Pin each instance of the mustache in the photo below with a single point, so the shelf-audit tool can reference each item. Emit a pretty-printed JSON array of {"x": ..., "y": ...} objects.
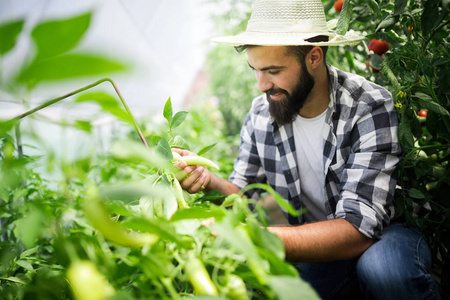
[{"x": 273, "y": 91}]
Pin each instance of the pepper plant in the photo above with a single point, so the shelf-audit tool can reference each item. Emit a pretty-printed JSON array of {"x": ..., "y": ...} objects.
[
  {"x": 135, "y": 236},
  {"x": 118, "y": 225}
]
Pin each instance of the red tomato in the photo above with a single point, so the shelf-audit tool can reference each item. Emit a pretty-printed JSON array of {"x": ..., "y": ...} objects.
[
  {"x": 422, "y": 113},
  {"x": 378, "y": 47},
  {"x": 338, "y": 5}
]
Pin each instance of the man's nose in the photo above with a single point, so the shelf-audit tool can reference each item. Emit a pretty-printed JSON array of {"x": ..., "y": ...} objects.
[{"x": 264, "y": 82}]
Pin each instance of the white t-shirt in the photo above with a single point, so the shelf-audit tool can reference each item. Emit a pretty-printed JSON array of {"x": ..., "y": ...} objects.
[{"x": 309, "y": 148}]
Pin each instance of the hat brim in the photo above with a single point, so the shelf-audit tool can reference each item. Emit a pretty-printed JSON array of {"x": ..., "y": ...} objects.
[{"x": 288, "y": 39}]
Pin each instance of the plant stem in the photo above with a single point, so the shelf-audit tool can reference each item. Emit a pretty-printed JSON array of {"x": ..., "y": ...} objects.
[
  {"x": 53, "y": 101},
  {"x": 19, "y": 141},
  {"x": 424, "y": 147}
]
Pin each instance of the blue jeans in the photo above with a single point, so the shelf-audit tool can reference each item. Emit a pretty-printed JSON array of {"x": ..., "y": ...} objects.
[{"x": 395, "y": 267}]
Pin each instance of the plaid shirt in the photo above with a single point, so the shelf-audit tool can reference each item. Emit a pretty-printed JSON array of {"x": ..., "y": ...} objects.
[{"x": 360, "y": 155}]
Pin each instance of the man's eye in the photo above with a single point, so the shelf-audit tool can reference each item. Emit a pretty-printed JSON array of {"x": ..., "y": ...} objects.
[{"x": 274, "y": 72}]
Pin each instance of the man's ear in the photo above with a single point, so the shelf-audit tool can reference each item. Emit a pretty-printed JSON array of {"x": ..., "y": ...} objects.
[{"x": 314, "y": 57}]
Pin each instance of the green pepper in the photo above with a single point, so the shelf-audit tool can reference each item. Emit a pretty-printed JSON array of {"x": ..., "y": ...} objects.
[
  {"x": 178, "y": 191},
  {"x": 87, "y": 283},
  {"x": 194, "y": 160},
  {"x": 99, "y": 217},
  {"x": 235, "y": 288},
  {"x": 199, "y": 277}
]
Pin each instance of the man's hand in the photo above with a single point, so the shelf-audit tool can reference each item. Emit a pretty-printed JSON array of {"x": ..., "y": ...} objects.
[{"x": 193, "y": 178}]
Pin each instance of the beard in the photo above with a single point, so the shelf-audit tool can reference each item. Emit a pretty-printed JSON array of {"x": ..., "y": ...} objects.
[{"x": 285, "y": 111}]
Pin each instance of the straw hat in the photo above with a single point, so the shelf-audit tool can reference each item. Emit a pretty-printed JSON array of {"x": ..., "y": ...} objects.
[{"x": 289, "y": 23}]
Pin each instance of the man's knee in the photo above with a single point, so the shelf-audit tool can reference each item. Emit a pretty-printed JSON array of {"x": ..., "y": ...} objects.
[{"x": 397, "y": 267}]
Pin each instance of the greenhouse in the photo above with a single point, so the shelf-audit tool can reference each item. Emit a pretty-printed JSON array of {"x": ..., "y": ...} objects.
[{"x": 224, "y": 149}]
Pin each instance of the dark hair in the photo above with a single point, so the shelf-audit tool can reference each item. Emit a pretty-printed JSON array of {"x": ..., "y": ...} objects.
[{"x": 299, "y": 51}]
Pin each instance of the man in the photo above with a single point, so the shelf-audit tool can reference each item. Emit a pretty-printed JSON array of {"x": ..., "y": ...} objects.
[{"x": 325, "y": 140}]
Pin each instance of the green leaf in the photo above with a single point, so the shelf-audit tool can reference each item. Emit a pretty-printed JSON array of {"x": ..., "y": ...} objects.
[
  {"x": 26, "y": 265},
  {"x": 29, "y": 252},
  {"x": 267, "y": 240},
  {"x": 180, "y": 143},
  {"x": 283, "y": 203},
  {"x": 399, "y": 6},
  {"x": 390, "y": 75},
  {"x": 287, "y": 288},
  {"x": 429, "y": 16},
  {"x": 178, "y": 119},
  {"x": 68, "y": 66},
  {"x": 373, "y": 6},
  {"x": 56, "y": 37},
  {"x": 426, "y": 102},
  {"x": 278, "y": 266},
  {"x": 344, "y": 18},
  {"x": 6, "y": 126},
  {"x": 162, "y": 229},
  {"x": 83, "y": 125},
  {"x": 134, "y": 152},
  {"x": 132, "y": 191},
  {"x": 406, "y": 136},
  {"x": 416, "y": 194},
  {"x": 8, "y": 35},
  {"x": 387, "y": 22},
  {"x": 168, "y": 112},
  {"x": 206, "y": 149},
  {"x": 212, "y": 196},
  {"x": 376, "y": 61},
  {"x": 164, "y": 149},
  {"x": 155, "y": 139},
  {"x": 108, "y": 104},
  {"x": 118, "y": 207},
  {"x": 239, "y": 239},
  {"x": 30, "y": 227},
  {"x": 199, "y": 213},
  {"x": 13, "y": 279}
]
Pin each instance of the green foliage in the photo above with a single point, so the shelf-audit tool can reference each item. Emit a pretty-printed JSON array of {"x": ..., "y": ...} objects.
[
  {"x": 119, "y": 221},
  {"x": 8, "y": 35},
  {"x": 65, "y": 35},
  {"x": 54, "y": 56},
  {"x": 414, "y": 71},
  {"x": 115, "y": 227},
  {"x": 232, "y": 81}
]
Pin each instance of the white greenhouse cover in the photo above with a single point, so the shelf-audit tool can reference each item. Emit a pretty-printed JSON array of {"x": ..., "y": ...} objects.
[{"x": 165, "y": 43}]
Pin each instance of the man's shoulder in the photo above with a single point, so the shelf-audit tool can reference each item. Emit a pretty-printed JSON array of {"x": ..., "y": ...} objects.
[{"x": 350, "y": 88}]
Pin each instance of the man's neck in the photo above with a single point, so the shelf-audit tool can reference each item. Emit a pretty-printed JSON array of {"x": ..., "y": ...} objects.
[{"x": 319, "y": 98}]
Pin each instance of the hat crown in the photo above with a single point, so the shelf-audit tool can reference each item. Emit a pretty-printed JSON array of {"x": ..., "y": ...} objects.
[
  {"x": 287, "y": 16},
  {"x": 289, "y": 22}
]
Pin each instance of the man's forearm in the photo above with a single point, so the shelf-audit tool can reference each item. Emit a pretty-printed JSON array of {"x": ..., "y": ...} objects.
[
  {"x": 222, "y": 185},
  {"x": 322, "y": 241}
]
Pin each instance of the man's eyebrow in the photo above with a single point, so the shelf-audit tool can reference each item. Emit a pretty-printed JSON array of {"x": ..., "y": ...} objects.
[{"x": 272, "y": 67}]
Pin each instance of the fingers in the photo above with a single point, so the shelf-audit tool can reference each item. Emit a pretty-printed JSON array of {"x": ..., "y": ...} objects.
[
  {"x": 182, "y": 152},
  {"x": 193, "y": 178},
  {"x": 196, "y": 180}
]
